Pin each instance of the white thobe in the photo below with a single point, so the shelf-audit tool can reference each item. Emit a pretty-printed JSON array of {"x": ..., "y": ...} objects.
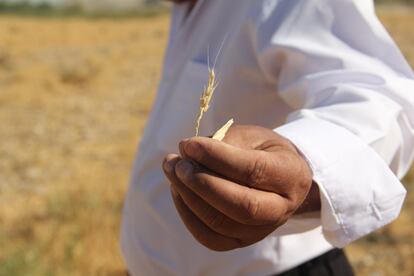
[{"x": 323, "y": 73}]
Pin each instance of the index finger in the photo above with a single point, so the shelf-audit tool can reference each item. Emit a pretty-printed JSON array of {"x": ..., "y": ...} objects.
[
  {"x": 243, "y": 166},
  {"x": 240, "y": 203}
]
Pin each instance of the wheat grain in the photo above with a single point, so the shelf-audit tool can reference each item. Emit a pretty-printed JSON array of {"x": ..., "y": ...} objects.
[{"x": 219, "y": 135}]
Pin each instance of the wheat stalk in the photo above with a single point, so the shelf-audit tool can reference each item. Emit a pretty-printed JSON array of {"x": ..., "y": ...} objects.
[{"x": 205, "y": 102}]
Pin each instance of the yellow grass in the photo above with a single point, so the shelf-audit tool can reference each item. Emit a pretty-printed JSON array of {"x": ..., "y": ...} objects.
[
  {"x": 390, "y": 251},
  {"x": 74, "y": 97}
]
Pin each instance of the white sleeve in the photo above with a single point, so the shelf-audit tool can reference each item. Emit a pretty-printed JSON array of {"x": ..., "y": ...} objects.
[{"x": 353, "y": 96}]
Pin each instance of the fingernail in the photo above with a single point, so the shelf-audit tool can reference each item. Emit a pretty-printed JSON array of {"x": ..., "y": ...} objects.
[
  {"x": 184, "y": 168},
  {"x": 168, "y": 167},
  {"x": 174, "y": 192},
  {"x": 192, "y": 148},
  {"x": 181, "y": 145}
]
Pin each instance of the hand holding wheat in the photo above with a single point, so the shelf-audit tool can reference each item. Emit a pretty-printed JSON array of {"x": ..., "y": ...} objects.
[{"x": 234, "y": 194}]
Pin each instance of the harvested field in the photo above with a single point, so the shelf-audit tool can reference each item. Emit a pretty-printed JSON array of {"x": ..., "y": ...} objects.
[{"x": 74, "y": 98}]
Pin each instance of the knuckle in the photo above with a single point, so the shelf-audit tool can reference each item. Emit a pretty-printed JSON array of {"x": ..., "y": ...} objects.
[
  {"x": 215, "y": 243},
  {"x": 204, "y": 152},
  {"x": 201, "y": 183},
  {"x": 256, "y": 172},
  {"x": 216, "y": 220},
  {"x": 186, "y": 177},
  {"x": 282, "y": 220},
  {"x": 165, "y": 160},
  {"x": 209, "y": 242},
  {"x": 251, "y": 210},
  {"x": 197, "y": 150},
  {"x": 204, "y": 239},
  {"x": 201, "y": 180},
  {"x": 216, "y": 247}
]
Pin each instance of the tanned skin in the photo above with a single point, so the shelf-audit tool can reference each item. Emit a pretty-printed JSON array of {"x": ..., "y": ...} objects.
[{"x": 235, "y": 192}]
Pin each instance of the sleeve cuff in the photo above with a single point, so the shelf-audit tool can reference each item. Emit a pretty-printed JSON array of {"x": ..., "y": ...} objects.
[{"x": 359, "y": 193}]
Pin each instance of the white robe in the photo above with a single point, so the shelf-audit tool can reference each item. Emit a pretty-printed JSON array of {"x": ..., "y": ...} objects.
[{"x": 323, "y": 73}]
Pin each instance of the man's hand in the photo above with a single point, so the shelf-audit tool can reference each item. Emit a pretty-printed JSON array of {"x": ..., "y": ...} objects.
[{"x": 234, "y": 193}]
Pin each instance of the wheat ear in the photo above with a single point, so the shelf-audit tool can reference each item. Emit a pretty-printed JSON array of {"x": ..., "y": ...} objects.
[
  {"x": 205, "y": 104},
  {"x": 206, "y": 97}
]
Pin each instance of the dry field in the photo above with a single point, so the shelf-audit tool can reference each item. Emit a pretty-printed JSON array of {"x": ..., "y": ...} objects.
[{"x": 74, "y": 97}]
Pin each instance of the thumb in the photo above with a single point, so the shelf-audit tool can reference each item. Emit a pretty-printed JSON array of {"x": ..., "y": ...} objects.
[{"x": 244, "y": 166}]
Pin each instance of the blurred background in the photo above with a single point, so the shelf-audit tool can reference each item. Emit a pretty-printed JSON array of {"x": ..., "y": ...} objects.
[{"x": 77, "y": 80}]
